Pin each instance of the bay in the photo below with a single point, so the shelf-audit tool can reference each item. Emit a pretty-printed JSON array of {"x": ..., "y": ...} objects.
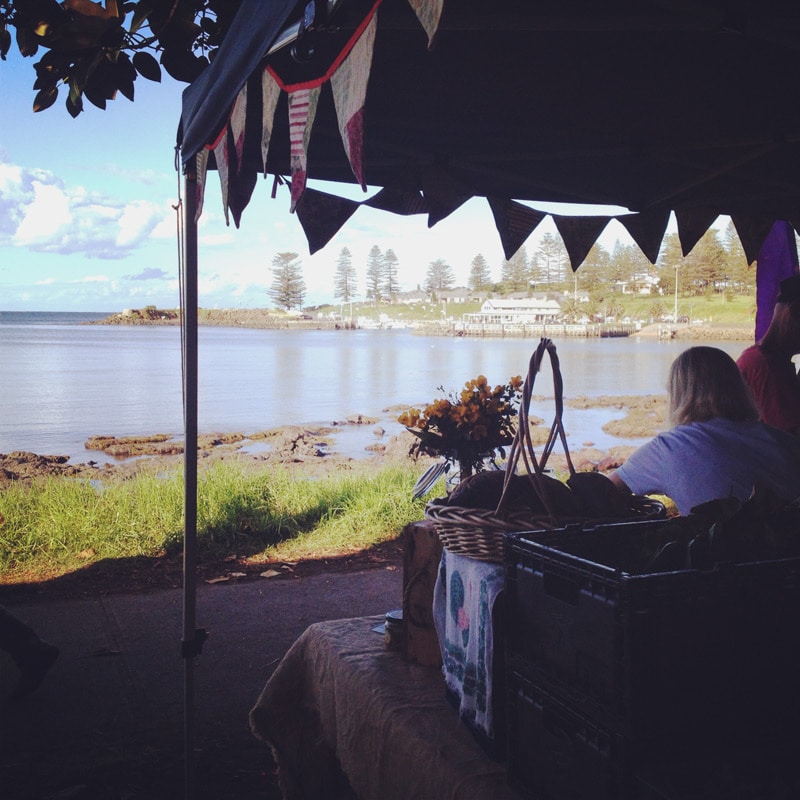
[{"x": 63, "y": 381}]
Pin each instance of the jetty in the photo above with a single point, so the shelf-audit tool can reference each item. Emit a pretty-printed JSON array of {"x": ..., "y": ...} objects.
[{"x": 602, "y": 330}]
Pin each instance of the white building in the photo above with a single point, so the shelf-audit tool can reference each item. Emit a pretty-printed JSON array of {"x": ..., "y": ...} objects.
[{"x": 530, "y": 310}]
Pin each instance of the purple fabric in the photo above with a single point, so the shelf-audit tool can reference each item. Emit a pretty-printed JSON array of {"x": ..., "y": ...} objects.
[{"x": 777, "y": 260}]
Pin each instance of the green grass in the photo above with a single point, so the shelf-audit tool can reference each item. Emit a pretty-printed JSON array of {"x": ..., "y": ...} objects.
[{"x": 57, "y": 525}]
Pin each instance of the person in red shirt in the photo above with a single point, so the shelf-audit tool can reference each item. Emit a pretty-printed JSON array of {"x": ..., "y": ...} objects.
[{"x": 767, "y": 365}]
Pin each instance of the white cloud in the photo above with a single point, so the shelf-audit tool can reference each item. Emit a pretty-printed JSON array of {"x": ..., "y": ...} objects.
[
  {"x": 39, "y": 213},
  {"x": 136, "y": 222},
  {"x": 44, "y": 217}
]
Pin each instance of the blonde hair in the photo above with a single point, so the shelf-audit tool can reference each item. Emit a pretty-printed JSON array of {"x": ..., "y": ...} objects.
[{"x": 705, "y": 383}]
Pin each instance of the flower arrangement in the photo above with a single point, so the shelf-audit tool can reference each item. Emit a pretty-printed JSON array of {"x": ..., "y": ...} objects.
[{"x": 467, "y": 427}]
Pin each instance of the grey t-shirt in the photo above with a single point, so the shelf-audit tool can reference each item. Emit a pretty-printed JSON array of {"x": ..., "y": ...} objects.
[{"x": 720, "y": 458}]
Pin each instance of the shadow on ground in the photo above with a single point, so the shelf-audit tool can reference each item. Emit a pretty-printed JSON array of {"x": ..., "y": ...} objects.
[{"x": 109, "y": 721}]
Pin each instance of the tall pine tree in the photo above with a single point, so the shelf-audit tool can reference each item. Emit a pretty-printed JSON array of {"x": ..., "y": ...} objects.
[
  {"x": 390, "y": 282},
  {"x": 288, "y": 288},
  {"x": 479, "y": 275},
  {"x": 374, "y": 274},
  {"x": 344, "y": 281}
]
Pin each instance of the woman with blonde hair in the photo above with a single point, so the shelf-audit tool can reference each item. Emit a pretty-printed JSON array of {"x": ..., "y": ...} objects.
[{"x": 717, "y": 447}]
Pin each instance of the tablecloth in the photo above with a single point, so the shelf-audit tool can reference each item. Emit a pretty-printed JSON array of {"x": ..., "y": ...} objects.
[{"x": 345, "y": 717}]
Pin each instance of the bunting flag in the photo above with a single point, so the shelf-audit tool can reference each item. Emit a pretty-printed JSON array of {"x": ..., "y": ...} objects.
[
  {"x": 692, "y": 225},
  {"x": 322, "y": 215},
  {"x": 237, "y": 125},
  {"x": 647, "y": 230},
  {"x": 302, "y": 109},
  {"x": 442, "y": 194},
  {"x": 429, "y": 13},
  {"x": 579, "y": 235},
  {"x": 240, "y": 190},
  {"x": 752, "y": 233},
  {"x": 270, "y": 94},
  {"x": 221, "y": 157},
  {"x": 349, "y": 86},
  {"x": 515, "y": 222},
  {"x": 201, "y": 170},
  {"x": 399, "y": 201},
  {"x": 777, "y": 260}
]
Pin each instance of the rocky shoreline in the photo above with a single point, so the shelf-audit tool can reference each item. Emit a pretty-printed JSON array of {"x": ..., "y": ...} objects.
[{"x": 311, "y": 448}]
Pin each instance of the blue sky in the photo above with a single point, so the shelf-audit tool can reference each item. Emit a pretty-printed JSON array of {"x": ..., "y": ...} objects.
[{"x": 87, "y": 220}]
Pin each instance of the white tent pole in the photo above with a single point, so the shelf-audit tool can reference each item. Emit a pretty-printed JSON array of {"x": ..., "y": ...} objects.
[{"x": 193, "y": 638}]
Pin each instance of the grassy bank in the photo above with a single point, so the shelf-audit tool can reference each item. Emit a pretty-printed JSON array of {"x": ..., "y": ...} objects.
[{"x": 58, "y": 525}]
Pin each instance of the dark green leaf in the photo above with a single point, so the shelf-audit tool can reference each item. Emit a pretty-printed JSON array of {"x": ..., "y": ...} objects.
[
  {"x": 74, "y": 107},
  {"x": 147, "y": 66},
  {"x": 45, "y": 98},
  {"x": 182, "y": 65},
  {"x": 95, "y": 96},
  {"x": 143, "y": 10},
  {"x": 26, "y": 41},
  {"x": 126, "y": 87}
]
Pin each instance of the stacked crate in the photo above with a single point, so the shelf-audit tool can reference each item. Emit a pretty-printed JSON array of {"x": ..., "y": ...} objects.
[{"x": 612, "y": 676}]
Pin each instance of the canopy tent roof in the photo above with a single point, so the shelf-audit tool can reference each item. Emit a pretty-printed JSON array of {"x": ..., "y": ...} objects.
[{"x": 652, "y": 105}]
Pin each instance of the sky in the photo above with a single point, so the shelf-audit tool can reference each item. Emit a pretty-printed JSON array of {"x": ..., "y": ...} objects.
[{"x": 88, "y": 219}]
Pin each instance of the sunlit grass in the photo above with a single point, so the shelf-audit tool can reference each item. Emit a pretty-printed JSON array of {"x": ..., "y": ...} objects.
[{"x": 58, "y": 524}]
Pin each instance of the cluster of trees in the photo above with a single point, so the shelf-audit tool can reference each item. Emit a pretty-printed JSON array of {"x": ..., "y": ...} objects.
[
  {"x": 716, "y": 264},
  {"x": 382, "y": 282}
]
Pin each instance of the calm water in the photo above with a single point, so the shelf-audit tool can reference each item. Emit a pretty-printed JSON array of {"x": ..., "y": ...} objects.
[{"x": 62, "y": 381}]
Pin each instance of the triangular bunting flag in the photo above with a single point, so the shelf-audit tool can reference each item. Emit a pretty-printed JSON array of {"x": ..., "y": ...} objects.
[
  {"x": 270, "y": 94},
  {"x": 752, "y": 233},
  {"x": 302, "y": 109},
  {"x": 442, "y": 194},
  {"x": 578, "y": 235},
  {"x": 349, "y": 86},
  {"x": 322, "y": 215},
  {"x": 201, "y": 168},
  {"x": 237, "y": 123},
  {"x": 428, "y": 12},
  {"x": 398, "y": 201},
  {"x": 515, "y": 222},
  {"x": 647, "y": 230},
  {"x": 692, "y": 225},
  {"x": 221, "y": 157},
  {"x": 240, "y": 190}
]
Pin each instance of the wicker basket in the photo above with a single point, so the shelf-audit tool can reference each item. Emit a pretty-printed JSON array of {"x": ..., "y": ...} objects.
[{"x": 479, "y": 533}]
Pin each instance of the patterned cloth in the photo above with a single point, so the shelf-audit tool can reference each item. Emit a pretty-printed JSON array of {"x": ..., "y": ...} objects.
[{"x": 463, "y": 600}]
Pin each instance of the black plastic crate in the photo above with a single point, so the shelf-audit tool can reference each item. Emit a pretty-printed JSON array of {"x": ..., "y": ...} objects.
[
  {"x": 556, "y": 753},
  {"x": 755, "y": 773},
  {"x": 673, "y": 656}
]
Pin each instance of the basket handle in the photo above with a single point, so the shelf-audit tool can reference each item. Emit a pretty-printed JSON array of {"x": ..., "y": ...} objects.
[{"x": 522, "y": 446}]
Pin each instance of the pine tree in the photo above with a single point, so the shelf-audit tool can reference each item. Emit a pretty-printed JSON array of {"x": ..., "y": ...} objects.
[
  {"x": 552, "y": 259},
  {"x": 374, "y": 274},
  {"x": 390, "y": 283},
  {"x": 439, "y": 276},
  {"x": 288, "y": 287},
  {"x": 515, "y": 273},
  {"x": 479, "y": 276},
  {"x": 344, "y": 282}
]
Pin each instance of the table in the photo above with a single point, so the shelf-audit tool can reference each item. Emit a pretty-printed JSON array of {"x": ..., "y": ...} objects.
[{"x": 345, "y": 717}]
